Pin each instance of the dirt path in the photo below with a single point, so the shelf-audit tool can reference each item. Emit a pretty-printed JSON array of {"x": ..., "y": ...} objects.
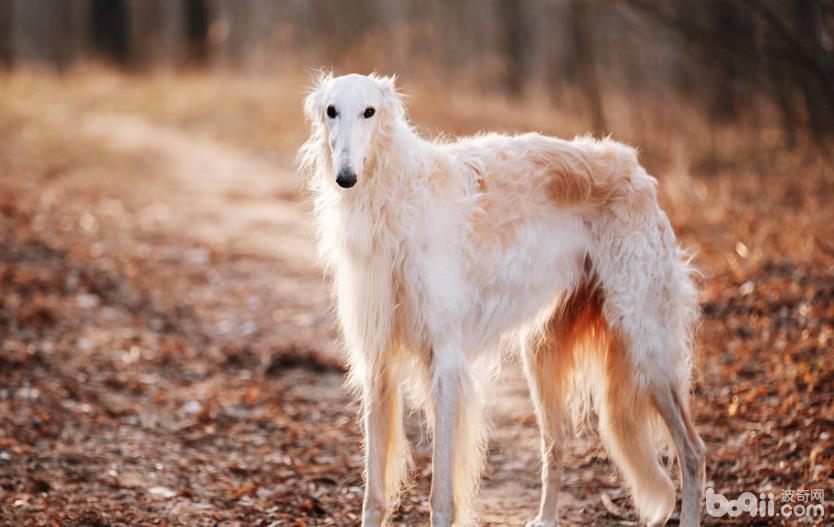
[
  {"x": 223, "y": 196},
  {"x": 228, "y": 198}
]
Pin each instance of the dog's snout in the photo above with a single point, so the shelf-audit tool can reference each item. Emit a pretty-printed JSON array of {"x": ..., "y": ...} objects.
[{"x": 346, "y": 178}]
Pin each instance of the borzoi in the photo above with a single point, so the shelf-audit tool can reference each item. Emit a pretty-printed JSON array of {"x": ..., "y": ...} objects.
[{"x": 438, "y": 249}]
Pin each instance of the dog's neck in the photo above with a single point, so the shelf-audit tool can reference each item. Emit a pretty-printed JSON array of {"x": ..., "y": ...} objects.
[{"x": 400, "y": 160}]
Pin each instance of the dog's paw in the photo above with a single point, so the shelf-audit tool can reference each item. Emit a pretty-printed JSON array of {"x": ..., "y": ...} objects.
[
  {"x": 539, "y": 522},
  {"x": 373, "y": 515},
  {"x": 441, "y": 519}
]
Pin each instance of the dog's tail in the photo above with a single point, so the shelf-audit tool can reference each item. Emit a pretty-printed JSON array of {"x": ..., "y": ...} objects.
[
  {"x": 605, "y": 377},
  {"x": 628, "y": 423},
  {"x": 633, "y": 435}
]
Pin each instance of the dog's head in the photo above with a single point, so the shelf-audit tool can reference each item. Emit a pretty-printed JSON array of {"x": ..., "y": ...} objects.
[{"x": 349, "y": 115}]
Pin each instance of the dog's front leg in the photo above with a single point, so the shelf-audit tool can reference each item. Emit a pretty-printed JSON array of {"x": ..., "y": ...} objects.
[
  {"x": 446, "y": 385},
  {"x": 380, "y": 405}
]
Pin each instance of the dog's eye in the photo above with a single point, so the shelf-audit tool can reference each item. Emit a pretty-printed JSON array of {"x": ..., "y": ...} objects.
[
  {"x": 331, "y": 112},
  {"x": 369, "y": 112}
]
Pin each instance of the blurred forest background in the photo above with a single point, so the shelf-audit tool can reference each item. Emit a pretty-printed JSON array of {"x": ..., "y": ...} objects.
[
  {"x": 733, "y": 59},
  {"x": 168, "y": 354}
]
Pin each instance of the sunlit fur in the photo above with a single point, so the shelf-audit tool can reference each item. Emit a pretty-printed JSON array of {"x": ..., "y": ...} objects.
[{"x": 443, "y": 249}]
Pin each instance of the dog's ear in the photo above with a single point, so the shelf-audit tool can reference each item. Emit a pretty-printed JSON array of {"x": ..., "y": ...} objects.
[
  {"x": 312, "y": 156},
  {"x": 313, "y": 102},
  {"x": 392, "y": 99}
]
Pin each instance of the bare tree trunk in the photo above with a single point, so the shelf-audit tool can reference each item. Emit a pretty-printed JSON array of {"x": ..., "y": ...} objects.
[
  {"x": 110, "y": 27},
  {"x": 555, "y": 47},
  {"x": 6, "y": 34},
  {"x": 197, "y": 21},
  {"x": 817, "y": 82},
  {"x": 585, "y": 61},
  {"x": 44, "y": 32},
  {"x": 155, "y": 32},
  {"x": 786, "y": 112},
  {"x": 511, "y": 24}
]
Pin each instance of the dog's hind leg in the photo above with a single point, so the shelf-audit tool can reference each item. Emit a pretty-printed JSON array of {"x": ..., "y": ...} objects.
[
  {"x": 543, "y": 376},
  {"x": 690, "y": 449},
  {"x": 650, "y": 305},
  {"x": 548, "y": 358},
  {"x": 386, "y": 447}
]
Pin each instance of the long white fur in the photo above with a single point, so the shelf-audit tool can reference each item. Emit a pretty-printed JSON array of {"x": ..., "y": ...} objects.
[{"x": 443, "y": 248}]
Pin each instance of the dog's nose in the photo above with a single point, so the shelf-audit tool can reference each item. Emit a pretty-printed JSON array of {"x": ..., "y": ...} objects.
[{"x": 346, "y": 178}]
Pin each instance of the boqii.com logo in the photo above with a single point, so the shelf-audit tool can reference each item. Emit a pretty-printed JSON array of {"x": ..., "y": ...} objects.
[{"x": 790, "y": 504}]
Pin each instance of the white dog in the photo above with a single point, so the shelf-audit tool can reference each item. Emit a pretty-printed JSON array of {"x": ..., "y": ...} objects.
[{"x": 438, "y": 249}]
